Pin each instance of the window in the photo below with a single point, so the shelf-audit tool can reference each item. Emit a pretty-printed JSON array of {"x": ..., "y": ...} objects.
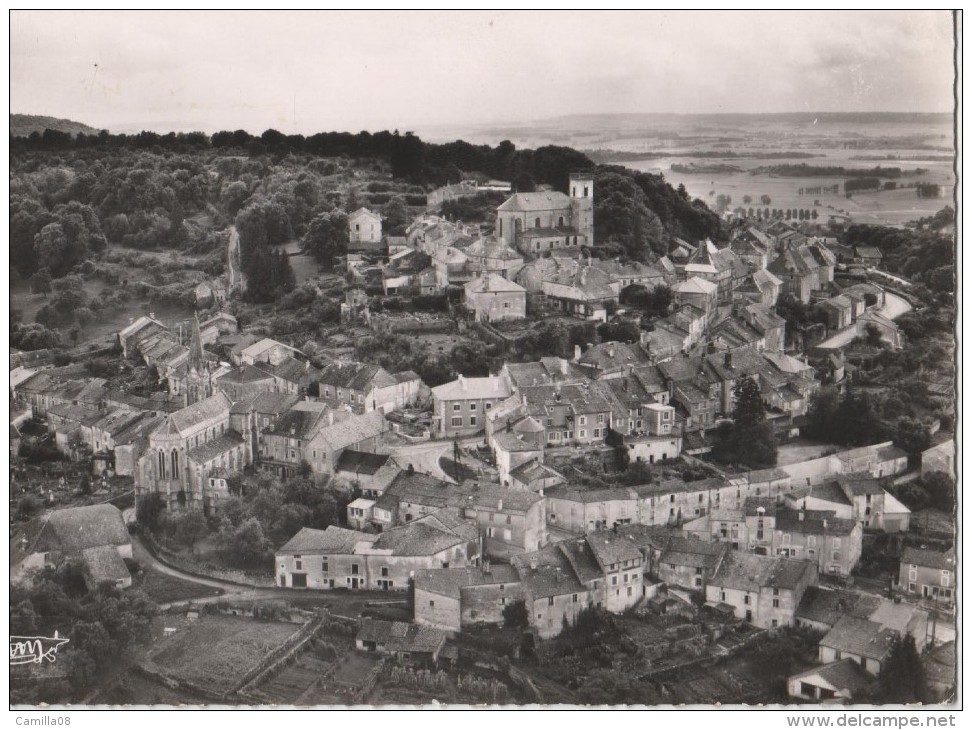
[
  {"x": 506, "y": 305},
  {"x": 550, "y": 601},
  {"x": 457, "y": 406},
  {"x": 354, "y": 568},
  {"x": 614, "y": 580},
  {"x": 911, "y": 588},
  {"x": 775, "y": 623},
  {"x": 472, "y": 406},
  {"x": 722, "y": 595},
  {"x": 671, "y": 498},
  {"x": 384, "y": 572},
  {"x": 776, "y": 603},
  {"x": 509, "y": 519},
  {"x": 597, "y": 433},
  {"x": 811, "y": 541},
  {"x": 573, "y": 599},
  {"x": 550, "y": 422},
  {"x": 431, "y": 604},
  {"x": 488, "y": 405},
  {"x": 583, "y": 434},
  {"x": 324, "y": 565},
  {"x": 946, "y": 578},
  {"x": 583, "y": 420},
  {"x": 472, "y": 420},
  {"x": 600, "y": 418},
  {"x": 502, "y": 601},
  {"x": 746, "y": 599},
  {"x": 836, "y": 543},
  {"x": 457, "y": 420}
]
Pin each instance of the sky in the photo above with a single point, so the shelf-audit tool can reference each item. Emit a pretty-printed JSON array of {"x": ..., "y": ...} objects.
[{"x": 304, "y": 72}]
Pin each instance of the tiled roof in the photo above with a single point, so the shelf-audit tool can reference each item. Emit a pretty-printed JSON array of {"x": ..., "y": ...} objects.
[
  {"x": 186, "y": 418},
  {"x": 465, "y": 388},
  {"x": 493, "y": 283},
  {"x": 929, "y": 558},
  {"x": 525, "y": 202},
  {"x": 417, "y": 539},
  {"x": 814, "y": 522},
  {"x": 353, "y": 430},
  {"x": 828, "y": 605},
  {"x": 332, "y": 541},
  {"x": 360, "y": 462},
  {"x": 104, "y": 563},
  {"x": 553, "y": 576},
  {"x": 451, "y": 581},
  {"x": 590, "y": 496},
  {"x": 611, "y": 549},
  {"x": 73, "y": 530},
  {"x": 211, "y": 449},
  {"x": 297, "y": 424},
  {"x": 533, "y": 471},
  {"x": 274, "y": 403},
  {"x": 748, "y": 572},
  {"x": 397, "y": 636},
  {"x": 844, "y": 675},
  {"x": 861, "y": 637},
  {"x": 245, "y": 374},
  {"x": 693, "y": 553}
]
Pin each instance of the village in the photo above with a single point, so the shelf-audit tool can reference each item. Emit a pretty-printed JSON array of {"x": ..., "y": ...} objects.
[{"x": 500, "y": 537}]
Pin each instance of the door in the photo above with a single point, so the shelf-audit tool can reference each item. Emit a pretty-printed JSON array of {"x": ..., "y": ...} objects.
[
  {"x": 298, "y": 580},
  {"x": 924, "y": 591},
  {"x": 354, "y": 583}
]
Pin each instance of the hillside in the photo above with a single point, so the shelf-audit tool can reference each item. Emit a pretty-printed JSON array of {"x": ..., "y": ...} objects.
[{"x": 22, "y": 125}]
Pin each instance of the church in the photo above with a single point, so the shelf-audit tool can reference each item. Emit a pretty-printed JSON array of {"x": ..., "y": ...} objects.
[
  {"x": 195, "y": 445},
  {"x": 543, "y": 221}
]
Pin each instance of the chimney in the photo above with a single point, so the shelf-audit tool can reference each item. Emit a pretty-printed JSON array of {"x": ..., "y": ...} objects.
[
  {"x": 462, "y": 382},
  {"x": 825, "y": 524},
  {"x": 563, "y": 363},
  {"x": 559, "y": 574},
  {"x": 534, "y": 562},
  {"x": 611, "y": 351},
  {"x": 151, "y": 315},
  {"x": 330, "y": 418},
  {"x": 131, "y": 320},
  {"x": 802, "y": 513},
  {"x": 307, "y": 366}
]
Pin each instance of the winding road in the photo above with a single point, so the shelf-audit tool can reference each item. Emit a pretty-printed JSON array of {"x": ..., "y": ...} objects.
[{"x": 894, "y": 307}]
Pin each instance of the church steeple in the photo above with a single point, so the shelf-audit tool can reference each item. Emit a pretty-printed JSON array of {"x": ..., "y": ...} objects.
[
  {"x": 198, "y": 377},
  {"x": 196, "y": 361}
]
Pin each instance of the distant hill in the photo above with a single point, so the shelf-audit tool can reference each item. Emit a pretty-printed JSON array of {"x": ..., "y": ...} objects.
[{"x": 22, "y": 125}]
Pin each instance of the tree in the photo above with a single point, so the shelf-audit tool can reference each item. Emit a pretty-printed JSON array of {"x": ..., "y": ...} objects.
[
  {"x": 40, "y": 281},
  {"x": 765, "y": 199},
  {"x": 327, "y": 237},
  {"x": 872, "y": 334},
  {"x": 84, "y": 485},
  {"x": 749, "y": 439},
  {"x": 940, "y": 488},
  {"x": 515, "y": 615},
  {"x": 395, "y": 215},
  {"x": 246, "y": 545},
  {"x": 150, "y": 511},
  {"x": 902, "y": 678},
  {"x": 190, "y": 527}
]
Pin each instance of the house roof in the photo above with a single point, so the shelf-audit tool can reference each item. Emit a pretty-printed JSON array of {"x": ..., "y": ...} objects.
[
  {"x": 332, "y": 541},
  {"x": 464, "y": 388},
  {"x": 696, "y": 285},
  {"x": 401, "y": 637},
  {"x": 844, "y": 675},
  {"x": 451, "y": 581},
  {"x": 828, "y": 605},
  {"x": 570, "y": 493},
  {"x": 418, "y": 538},
  {"x": 611, "y": 549},
  {"x": 292, "y": 370},
  {"x": 547, "y": 371},
  {"x": 693, "y": 553},
  {"x": 868, "y": 252},
  {"x": 526, "y": 202},
  {"x": 861, "y": 637},
  {"x": 493, "y": 283},
  {"x": 273, "y": 402},
  {"x": 533, "y": 471},
  {"x": 353, "y": 430},
  {"x": 297, "y": 424},
  {"x": 749, "y": 572},
  {"x": 72, "y": 531},
  {"x": 360, "y": 462},
  {"x": 258, "y": 348},
  {"x": 355, "y": 376},
  {"x": 245, "y": 374},
  {"x": 553, "y": 576},
  {"x": 513, "y": 442},
  {"x": 609, "y": 355},
  {"x": 929, "y": 558},
  {"x": 104, "y": 563},
  {"x": 363, "y": 211}
]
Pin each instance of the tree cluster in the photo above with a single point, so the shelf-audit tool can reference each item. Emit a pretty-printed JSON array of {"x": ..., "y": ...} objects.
[{"x": 749, "y": 439}]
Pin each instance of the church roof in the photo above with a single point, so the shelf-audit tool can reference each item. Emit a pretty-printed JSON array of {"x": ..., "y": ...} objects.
[{"x": 525, "y": 202}]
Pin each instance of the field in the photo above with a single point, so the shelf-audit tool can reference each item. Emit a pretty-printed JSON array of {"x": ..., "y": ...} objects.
[
  {"x": 163, "y": 588},
  {"x": 217, "y": 651}
]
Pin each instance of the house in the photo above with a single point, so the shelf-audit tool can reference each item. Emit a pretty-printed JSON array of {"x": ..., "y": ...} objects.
[
  {"x": 283, "y": 446},
  {"x": 843, "y": 681},
  {"x": 575, "y": 414},
  {"x": 137, "y": 331},
  {"x": 764, "y": 591},
  {"x": 833, "y": 543},
  {"x": 453, "y": 267},
  {"x": 690, "y": 564},
  {"x": 541, "y": 221},
  {"x": 406, "y": 643},
  {"x": 548, "y": 371},
  {"x": 586, "y": 510},
  {"x": 580, "y": 291},
  {"x": 888, "y": 330},
  {"x": 364, "y": 230},
  {"x": 870, "y": 256},
  {"x": 930, "y": 574},
  {"x": 796, "y": 275},
  {"x": 534, "y": 477},
  {"x": 628, "y": 273},
  {"x": 359, "y": 432},
  {"x": 495, "y": 299},
  {"x": 753, "y": 247},
  {"x": 940, "y": 457},
  {"x": 66, "y": 534},
  {"x": 460, "y": 407},
  {"x": 341, "y": 558},
  {"x": 371, "y": 472},
  {"x": 612, "y": 359},
  {"x": 699, "y": 293},
  {"x": 770, "y": 325},
  {"x": 462, "y": 189},
  {"x": 879, "y": 460},
  {"x": 452, "y": 598},
  {"x": 364, "y": 387},
  {"x": 865, "y": 642},
  {"x": 103, "y": 564},
  {"x": 822, "y": 608},
  {"x": 510, "y": 520},
  {"x": 839, "y": 311},
  {"x": 495, "y": 256},
  {"x": 360, "y": 513},
  {"x": 245, "y": 383},
  {"x": 291, "y": 375},
  {"x": 522, "y": 443},
  {"x": 267, "y": 351}
]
